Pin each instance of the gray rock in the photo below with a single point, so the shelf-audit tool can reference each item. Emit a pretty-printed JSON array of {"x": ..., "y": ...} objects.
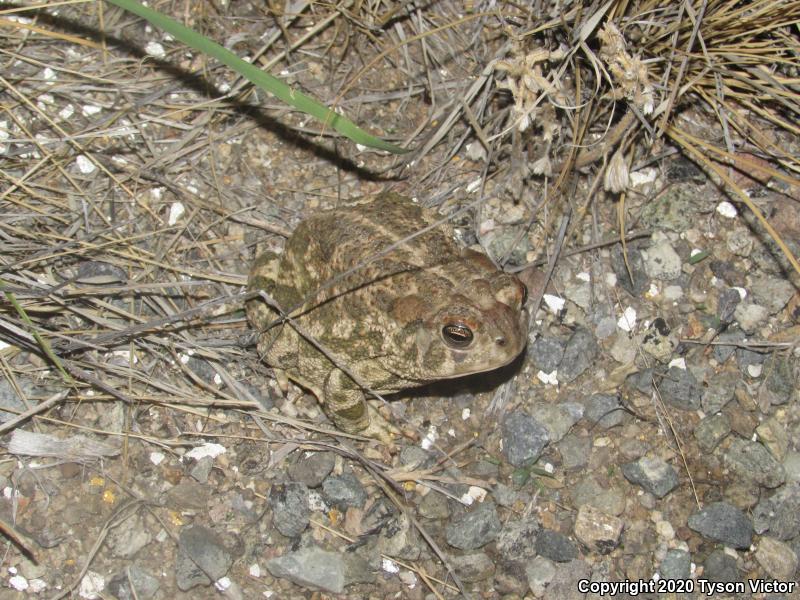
[
  {"x": 750, "y": 316},
  {"x": 608, "y": 500},
  {"x": 721, "y": 568},
  {"x": 575, "y": 451},
  {"x": 474, "y": 529},
  {"x": 434, "y": 506},
  {"x": 746, "y": 357},
  {"x": 723, "y": 522},
  {"x": 578, "y": 355},
  {"x": 605, "y": 410},
  {"x": 780, "y": 380},
  {"x": 723, "y": 352},
  {"x": 546, "y": 353},
  {"x": 777, "y": 559},
  {"x": 780, "y": 514},
  {"x": 312, "y": 469},
  {"x": 711, "y": 431},
  {"x": 414, "y": 457},
  {"x": 719, "y": 391},
  {"x": 661, "y": 261},
  {"x": 320, "y": 569},
  {"x": 127, "y": 538},
  {"x": 188, "y": 495},
  {"x": 516, "y": 543},
  {"x": 753, "y": 461},
  {"x": 640, "y": 381},
  {"x": 653, "y": 474},
  {"x": 558, "y": 419},
  {"x": 678, "y": 209},
  {"x": 677, "y": 564},
  {"x": 524, "y": 438},
  {"x": 540, "y": 571},
  {"x": 10, "y": 401},
  {"x": 680, "y": 389},
  {"x": 343, "y": 491},
  {"x": 729, "y": 299},
  {"x": 202, "y": 557},
  {"x": 505, "y": 496},
  {"x": 290, "y": 512},
  {"x": 201, "y": 469},
  {"x": 640, "y": 280},
  {"x": 564, "y": 584},
  {"x": 555, "y": 546},
  {"x": 134, "y": 583},
  {"x": 791, "y": 465},
  {"x": 473, "y": 567},
  {"x": 772, "y": 292}
]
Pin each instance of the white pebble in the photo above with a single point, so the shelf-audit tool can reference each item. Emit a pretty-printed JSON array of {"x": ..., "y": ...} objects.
[
  {"x": 155, "y": 50},
  {"x": 627, "y": 322},
  {"x": 84, "y": 165},
  {"x": 175, "y": 212},
  {"x": 726, "y": 209},
  {"x": 554, "y": 303}
]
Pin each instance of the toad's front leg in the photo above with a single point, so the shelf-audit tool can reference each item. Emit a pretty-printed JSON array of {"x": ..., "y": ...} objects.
[{"x": 346, "y": 405}]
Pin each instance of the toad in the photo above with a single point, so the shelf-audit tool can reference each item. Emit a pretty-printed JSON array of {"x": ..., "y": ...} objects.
[{"x": 372, "y": 310}]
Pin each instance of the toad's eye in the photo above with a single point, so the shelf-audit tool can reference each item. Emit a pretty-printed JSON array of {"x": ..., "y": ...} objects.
[
  {"x": 524, "y": 293},
  {"x": 457, "y": 335}
]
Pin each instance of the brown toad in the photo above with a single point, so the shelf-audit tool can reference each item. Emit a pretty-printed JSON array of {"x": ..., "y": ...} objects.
[{"x": 423, "y": 311}]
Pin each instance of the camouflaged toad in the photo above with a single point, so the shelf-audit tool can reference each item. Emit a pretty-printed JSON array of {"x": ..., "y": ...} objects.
[{"x": 424, "y": 311}]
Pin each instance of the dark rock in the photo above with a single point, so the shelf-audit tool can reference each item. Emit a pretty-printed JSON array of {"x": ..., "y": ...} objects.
[
  {"x": 728, "y": 301},
  {"x": 780, "y": 514},
  {"x": 474, "y": 529},
  {"x": 290, "y": 512},
  {"x": 605, "y": 410},
  {"x": 555, "y": 546},
  {"x": 641, "y": 381},
  {"x": 719, "y": 391},
  {"x": 546, "y": 353},
  {"x": 202, "y": 557},
  {"x": 640, "y": 281},
  {"x": 575, "y": 451},
  {"x": 780, "y": 380},
  {"x": 711, "y": 431},
  {"x": 578, "y": 355},
  {"x": 721, "y": 568},
  {"x": 524, "y": 438},
  {"x": 472, "y": 567},
  {"x": 750, "y": 459},
  {"x": 344, "y": 490},
  {"x": 723, "y": 351},
  {"x": 312, "y": 469},
  {"x": 680, "y": 389},
  {"x": 677, "y": 564},
  {"x": 723, "y": 522}
]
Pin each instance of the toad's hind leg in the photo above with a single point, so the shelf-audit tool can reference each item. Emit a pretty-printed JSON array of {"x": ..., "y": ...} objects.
[{"x": 350, "y": 412}]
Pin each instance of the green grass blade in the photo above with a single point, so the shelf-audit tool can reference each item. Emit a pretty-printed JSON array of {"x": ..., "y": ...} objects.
[
  {"x": 35, "y": 332},
  {"x": 263, "y": 80}
]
